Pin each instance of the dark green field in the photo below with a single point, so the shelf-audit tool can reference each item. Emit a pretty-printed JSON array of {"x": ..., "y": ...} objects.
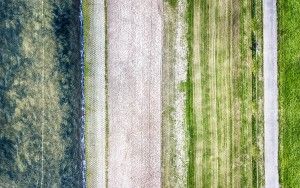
[
  {"x": 40, "y": 94},
  {"x": 289, "y": 91}
]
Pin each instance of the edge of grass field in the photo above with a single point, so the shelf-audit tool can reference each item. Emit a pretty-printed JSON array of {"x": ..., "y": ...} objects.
[
  {"x": 173, "y": 3},
  {"x": 280, "y": 110},
  {"x": 257, "y": 32},
  {"x": 280, "y": 97},
  {"x": 173, "y": 175},
  {"x": 168, "y": 109},
  {"x": 86, "y": 27}
]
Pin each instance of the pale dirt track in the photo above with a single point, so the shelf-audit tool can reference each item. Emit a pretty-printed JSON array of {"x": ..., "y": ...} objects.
[
  {"x": 95, "y": 96},
  {"x": 270, "y": 94},
  {"x": 134, "y": 93}
]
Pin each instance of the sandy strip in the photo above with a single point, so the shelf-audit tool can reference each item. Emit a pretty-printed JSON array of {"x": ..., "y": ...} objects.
[
  {"x": 270, "y": 94},
  {"x": 95, "y": 97},
  {"x": 180, "y": 76},
  {"x": 134, "y": 93}
]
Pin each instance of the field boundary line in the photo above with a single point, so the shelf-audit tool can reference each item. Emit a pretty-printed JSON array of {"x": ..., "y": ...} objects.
[{"x": 43, "y": 93}]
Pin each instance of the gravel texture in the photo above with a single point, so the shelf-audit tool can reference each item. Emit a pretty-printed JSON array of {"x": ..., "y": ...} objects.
[
  {"x": 270, "y": 94},
  {"x": 134, "y": 93}
]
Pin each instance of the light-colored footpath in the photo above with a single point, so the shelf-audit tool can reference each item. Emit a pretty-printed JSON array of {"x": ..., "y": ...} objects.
[
  {"x": 95, "y": 96},
  {"x": 270, "y": 94},
  {"x": 134, "y": 93}
]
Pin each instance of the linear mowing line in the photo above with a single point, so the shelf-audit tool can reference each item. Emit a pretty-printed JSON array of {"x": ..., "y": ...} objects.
[
  {"x": 246, "y": 58},
  {"x": 106, "y": 93},
  {"x": 227, "y": 95},
  {"x": 43, "y": 95},
  {"x": 233, "y": 133},
  {"x": 213, "y": 115},
  {"x": 231, "y": 102},
  {"x": 197, "y": 101},
  {"x": 222, "y": 91}
]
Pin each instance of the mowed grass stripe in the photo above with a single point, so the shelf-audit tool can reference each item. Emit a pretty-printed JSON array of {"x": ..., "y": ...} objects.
[
  {"x": 213, "y": 101},
  {"x": 245, "y": 93},
  {"x": 236, "y": 113},
  {"x": 190, "y": 117},
  {"x": 230, "y": 47},
  {"x": 257, "y": 97},
  {"x": 223, "y": 96},
  {"x": 204, "y": 58},
  {"x": 197, "y": 102},
  {"x": 225, "y": 36}
]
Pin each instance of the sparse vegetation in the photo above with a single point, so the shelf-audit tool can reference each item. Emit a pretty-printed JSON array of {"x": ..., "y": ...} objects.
[
  {"x": 173, "y": 3},
  {"x": 40, "y": 94},
  {"x": 174, "y": 90},
  {"x": 86, "y": 27}
]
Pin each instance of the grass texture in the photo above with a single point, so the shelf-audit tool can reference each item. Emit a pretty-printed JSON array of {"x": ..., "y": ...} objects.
[
  {"x": 40, "y": 112},
  {"x": 289, "y": 93},
  {"x": 224, "y": 109}
]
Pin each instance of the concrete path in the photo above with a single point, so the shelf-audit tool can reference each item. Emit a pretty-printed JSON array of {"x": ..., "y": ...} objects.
[
  {"x": 134, "y": 93},
  {"x": 270, "y": 94}
]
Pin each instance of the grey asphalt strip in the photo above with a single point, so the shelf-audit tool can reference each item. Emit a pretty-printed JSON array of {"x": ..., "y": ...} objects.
[{"x": 270, "y": 94}]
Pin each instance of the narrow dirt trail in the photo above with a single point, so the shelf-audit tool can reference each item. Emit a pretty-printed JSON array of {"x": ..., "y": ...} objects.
[
  {"x": 95, "y": 96},
  {"x": 270, "y": 94},
  {"x": 134, "y": 93}
]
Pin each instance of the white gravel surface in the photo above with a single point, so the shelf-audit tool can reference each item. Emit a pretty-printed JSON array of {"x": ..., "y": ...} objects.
[
  {"x": 270, "y": 94},
  {"x": 180, "y": 127},
  {"x": 134, "y": 93}
]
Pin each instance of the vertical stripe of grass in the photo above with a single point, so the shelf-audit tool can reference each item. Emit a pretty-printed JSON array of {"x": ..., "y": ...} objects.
[{"x": 189, "y": 98}]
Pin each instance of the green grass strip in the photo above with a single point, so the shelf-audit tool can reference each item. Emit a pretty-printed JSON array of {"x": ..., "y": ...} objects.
[
  {"x": 86, "y": 28},
  {"x": 189, "y": 98},
  {"x": 289, "y": 91}
]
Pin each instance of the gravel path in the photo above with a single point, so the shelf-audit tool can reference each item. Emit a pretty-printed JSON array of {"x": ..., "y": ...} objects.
[
  {"x": 270, "y": 94},
  {"x": 134, "y": 93}
]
